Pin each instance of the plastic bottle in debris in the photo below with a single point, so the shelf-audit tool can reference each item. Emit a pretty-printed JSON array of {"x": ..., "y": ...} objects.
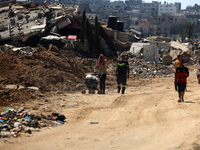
[
  {"x": 20, "y": 109},
  {"x": 16, "y": 124}
]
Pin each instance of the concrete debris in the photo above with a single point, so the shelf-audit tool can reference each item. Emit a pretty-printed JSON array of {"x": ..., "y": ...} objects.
[
  {"x": 159, "y": 51},
  {"x": 159, "y": 39},
  {"x": 122, "y": 46},
  {"x": 52, "y": 39},
  {"x": 167, "y": 59},
  {"x": 26, "y": 50},
  {"x": 136, "y": 48},
  {"x": 179, "y": 46},
  {"x": 175, "y": 53},
  {"x": 145, "y": 69},
  {"x": 26, "y": 20}
]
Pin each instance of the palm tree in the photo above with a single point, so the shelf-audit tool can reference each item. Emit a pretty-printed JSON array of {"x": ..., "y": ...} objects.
[{"x": 188, "y": 30}]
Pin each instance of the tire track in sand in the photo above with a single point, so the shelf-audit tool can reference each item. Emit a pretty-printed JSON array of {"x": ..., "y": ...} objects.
[
  {"x": 83, "y": 113},
  {"x": 121, "y": 101}
]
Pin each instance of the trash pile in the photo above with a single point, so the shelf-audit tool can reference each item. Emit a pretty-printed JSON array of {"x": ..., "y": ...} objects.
[
  {"x": 20, "y": 122},
  {"x": 145, "y": 69}
]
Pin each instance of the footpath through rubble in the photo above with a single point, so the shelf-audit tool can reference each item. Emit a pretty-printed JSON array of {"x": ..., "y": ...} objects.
[{"x": 27, "y": 79}]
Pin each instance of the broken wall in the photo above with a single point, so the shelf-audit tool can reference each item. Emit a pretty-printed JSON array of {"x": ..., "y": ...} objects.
[{"x": 151, "y": 52}]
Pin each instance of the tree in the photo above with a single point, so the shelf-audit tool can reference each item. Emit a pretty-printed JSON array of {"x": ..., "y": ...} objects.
[
  {"x": 176, "y": 29},
  {"x": 90, "y": 37},
  {"x": 97, "y": 37},
  {"x": 188, "y": 30},
  {"x": 82, "y": 34},
  {"x": 108, "y": 40}
]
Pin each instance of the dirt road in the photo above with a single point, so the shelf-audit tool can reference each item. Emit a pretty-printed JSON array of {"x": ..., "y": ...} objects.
[{"x": 147, "y": 117}]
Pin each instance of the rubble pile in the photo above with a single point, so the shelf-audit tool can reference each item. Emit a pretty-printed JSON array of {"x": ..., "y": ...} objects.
[
  {"x": 28, "y": 21},
  {"x": 44, "y": 71},
  {"x": 25, "y": 50},
  {"x": 196, "y": 52},
  {"x": 20, "y": 122},
  {"x": 47, "y": 70},
  {"x": 145, "y": 69}
]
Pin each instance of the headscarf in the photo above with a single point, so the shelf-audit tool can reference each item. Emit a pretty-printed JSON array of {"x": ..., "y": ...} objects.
[{"x": 103, "y": 63}]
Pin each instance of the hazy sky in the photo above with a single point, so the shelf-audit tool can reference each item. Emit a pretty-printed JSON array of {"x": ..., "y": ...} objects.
[{"x": 184, "y": 3}]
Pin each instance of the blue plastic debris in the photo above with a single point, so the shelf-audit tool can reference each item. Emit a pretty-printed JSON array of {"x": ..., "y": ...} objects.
[
  {"x": 27, "y": 118},
  {"x": 60, "y": 122}
]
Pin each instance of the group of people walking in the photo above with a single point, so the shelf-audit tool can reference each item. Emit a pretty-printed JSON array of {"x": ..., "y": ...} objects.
[
  {"x": 181, "y": 75},
  {"x": 122, "y": 73}
]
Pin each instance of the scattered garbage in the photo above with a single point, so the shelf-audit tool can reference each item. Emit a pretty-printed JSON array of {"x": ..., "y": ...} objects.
[
  {"x": 51, "y": 39},
  {"x": 72, "y": 106},
  {"x": 20, "y": 122},
  {"x": 94, "y": 122}
]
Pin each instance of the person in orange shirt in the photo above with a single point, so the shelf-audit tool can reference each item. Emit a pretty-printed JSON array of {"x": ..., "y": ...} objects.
[{"x": 177, "y": 63}]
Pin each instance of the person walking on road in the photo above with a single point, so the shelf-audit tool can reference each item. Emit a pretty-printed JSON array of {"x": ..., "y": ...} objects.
[
  {"x": 122, "y": 73},
  {"x": 176, "y": 64},
  {"x": 198, "y": 71},
  {"x": 101, "y": 66},
  {"x": 181, "y": 75}
]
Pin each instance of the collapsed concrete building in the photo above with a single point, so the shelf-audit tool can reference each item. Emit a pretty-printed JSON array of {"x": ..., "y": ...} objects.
[
  {"x": 162, "y": 50},
  {"x": 20, "y": 22}
]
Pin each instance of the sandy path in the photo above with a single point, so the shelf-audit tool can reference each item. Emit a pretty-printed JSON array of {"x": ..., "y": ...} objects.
[{"x": 147, "y": 117}]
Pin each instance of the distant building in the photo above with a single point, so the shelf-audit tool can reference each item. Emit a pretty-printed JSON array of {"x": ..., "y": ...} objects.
[
  {"x": 170, "y": 18},
  {"x": 167, "y": 9},
  {"x": 91, "y": 16},
  {"x": 146, "y": 28},
  {"x": 196, "y": 7},
  {"x": 150, "y": 8},
  {"x": 133, "y": 16},
  {"x": 178, "y": 7},
  {"x": 165, "y": 21},
  {"x": 133, "y": 4},
  {"x": 192, "y": 16}
]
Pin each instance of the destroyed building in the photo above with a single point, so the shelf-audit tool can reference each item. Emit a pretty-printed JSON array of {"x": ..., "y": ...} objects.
[{"x": 23, "y": 23}]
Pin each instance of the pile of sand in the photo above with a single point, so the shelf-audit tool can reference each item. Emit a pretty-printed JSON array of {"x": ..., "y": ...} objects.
[{"x": 49, "y": 70}]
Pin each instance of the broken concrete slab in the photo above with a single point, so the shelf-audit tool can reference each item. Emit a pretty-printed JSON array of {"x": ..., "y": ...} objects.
[
  {"x": 167, "y": 59},
  {"x": 177, "y": 45},
  {"x": 175, "y": 53},
  {"x": 63, "y": 23},
  {"x": 137, "y": 47}
]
